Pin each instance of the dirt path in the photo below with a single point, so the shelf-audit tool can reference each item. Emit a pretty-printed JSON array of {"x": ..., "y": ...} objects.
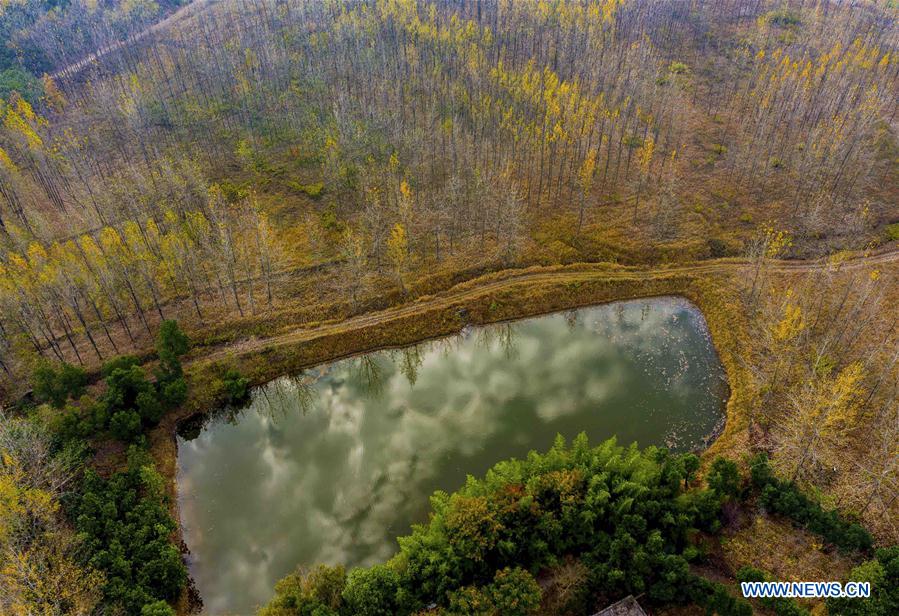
[
  {"x": 508, "y": 279},
  {"x": 184, "y": 12}
]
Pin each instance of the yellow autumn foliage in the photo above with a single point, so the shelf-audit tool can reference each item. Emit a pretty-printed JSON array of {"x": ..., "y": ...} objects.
[
  {"x": 790, "y": 325},
  {"x": 39, "y": 568}
]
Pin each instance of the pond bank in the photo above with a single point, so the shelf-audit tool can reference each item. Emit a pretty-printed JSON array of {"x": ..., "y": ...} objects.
[
  {"x": 332, "y": 464},
  {"x": 495, "y": 298}
]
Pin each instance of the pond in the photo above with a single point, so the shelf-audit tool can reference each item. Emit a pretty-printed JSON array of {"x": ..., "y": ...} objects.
[{"x": 332, "y": 464}]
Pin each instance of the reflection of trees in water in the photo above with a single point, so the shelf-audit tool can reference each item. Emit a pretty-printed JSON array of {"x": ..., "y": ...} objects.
[
  {"x": 369, "y": 373},
  {"x": 289, "y": 392},
  {"x": 484, "y": 336},
  {"x": 503, "y": 334},
  {"x": 508, "y": 340},
  {"x": 447, "y": 346},
  {"x": 411, "y": 359},
  {"x": 231, "y": 414},
  {"x": 573, "y": 319},
  {"x": 305, "y": 391}
]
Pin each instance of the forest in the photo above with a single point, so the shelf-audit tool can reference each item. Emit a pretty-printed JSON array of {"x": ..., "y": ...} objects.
[
  {"x": 180, "y": 181},
  {"x": 154, "y": 179}
]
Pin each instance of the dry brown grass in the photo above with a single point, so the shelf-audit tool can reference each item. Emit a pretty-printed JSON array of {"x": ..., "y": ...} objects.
[{"x": 785, "y": 552}]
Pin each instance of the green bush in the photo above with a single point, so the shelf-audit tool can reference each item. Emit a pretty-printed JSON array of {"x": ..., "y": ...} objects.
[
  {"x": 125, "y": 425},
  {"x": 235, "y": 387},
  {"x": 70, "y": 425},
  {"x": 149, "y": 406},
  {"x": 124, "y": 525},
  {"x": 314, "y": 190},
  {"x": 625, "y": 514},
  {"x": 331, "y": 222},
  {"x": 893, "y": 231},
  {"x": 783, "y": 18},
  {"x": 15, "y": 79},
  {"x": 131, "y": 402},
  {"x": 123, "y": 362},
  {"x": 470, "y": 600},
  {"x": 514, "y": 592},
  {"x": 174, "y": 393},
  {"x": 316, "y": 593},
  {"x": 716, "y": 600},
  {"x": 372, "y": 592},
  {"x": 724, "y": 478},
  {"x": 883, "y": 574},
  {"x": 691, "y": 465},
  {"x": 760, "y": 471},
  {"x": 130, "y": 390},
  {"x": 158, "y": 608},
  {"x": 785, "y": 498},
  {"x": 57, "y": 383},
  {"x": 234, "y": 192},
  {"x": 171, "y": 344}
]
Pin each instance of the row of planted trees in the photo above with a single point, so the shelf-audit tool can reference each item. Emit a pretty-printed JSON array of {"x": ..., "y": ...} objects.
[
  {"x": 561, "y": 97},
  {"x": 46, "y": 36},
  {"x": 497, "y": 92},
  {"x": 106, "y": 286},
  {"x": 818, "y": 114},
  {"x": 435, "y": 129},
  {"x": 824, "y": 366}
]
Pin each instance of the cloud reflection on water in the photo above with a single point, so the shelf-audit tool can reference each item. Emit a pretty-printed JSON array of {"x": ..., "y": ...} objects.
[{"x": 331, "y": 465}]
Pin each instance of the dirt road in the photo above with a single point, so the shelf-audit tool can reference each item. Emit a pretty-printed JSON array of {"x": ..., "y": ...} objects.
[
  {"x": 501, "y": 281},
  {"x": 184, "y": 12}
]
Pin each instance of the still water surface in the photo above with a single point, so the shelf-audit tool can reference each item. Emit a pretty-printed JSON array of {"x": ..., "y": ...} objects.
[{"x": 332, "y": 464}]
